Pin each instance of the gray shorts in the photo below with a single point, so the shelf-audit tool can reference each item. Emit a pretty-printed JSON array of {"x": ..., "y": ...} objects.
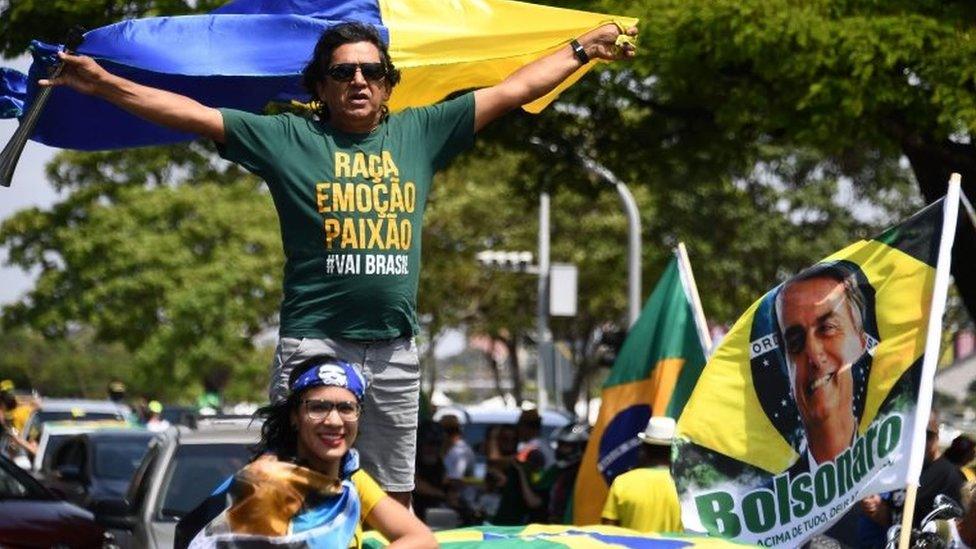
[{"x": 387, "y": 440}]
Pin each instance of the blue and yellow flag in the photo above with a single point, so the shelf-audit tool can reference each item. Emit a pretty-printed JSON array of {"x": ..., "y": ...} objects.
[
  {"x": 555, "y": 536},
  {"x": 655, "y": 372},
  {"x": 809, "y": 403},
  {"x": 248, "y": 53}
]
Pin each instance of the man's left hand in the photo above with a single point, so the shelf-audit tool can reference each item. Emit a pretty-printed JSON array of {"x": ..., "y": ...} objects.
[{"x": 601, "y": 43}]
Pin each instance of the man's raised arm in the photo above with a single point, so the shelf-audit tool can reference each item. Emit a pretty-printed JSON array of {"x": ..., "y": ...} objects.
[
  {"x": 168, "y": 109},
  {"x": 543, "y": 75}
]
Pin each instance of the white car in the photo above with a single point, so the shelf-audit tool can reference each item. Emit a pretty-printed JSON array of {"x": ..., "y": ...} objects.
[
  {"x": 55, "y": 433},
  {"x": 72, "y": 409}
]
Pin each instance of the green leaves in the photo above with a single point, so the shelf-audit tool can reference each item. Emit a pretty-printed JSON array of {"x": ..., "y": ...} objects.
[{"x": 185, "y": 275}]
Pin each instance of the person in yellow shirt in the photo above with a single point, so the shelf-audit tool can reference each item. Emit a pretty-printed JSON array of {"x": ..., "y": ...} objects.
[{"x": 645, "y": 498}]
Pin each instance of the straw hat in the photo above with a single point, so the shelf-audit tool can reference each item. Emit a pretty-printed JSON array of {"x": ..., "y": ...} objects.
[{"x": 659, "y": 431}]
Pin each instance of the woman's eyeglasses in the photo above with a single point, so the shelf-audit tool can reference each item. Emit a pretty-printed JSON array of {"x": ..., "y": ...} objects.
[
  {"x": 317, "y": 410},
  {"x": 345, "y": 72}
]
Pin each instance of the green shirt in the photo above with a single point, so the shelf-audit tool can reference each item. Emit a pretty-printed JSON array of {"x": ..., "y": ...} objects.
[{"x": 350, "y": 207}]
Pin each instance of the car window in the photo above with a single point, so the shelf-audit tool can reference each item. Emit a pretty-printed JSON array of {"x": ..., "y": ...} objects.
[
  {"x": 14, "y": 484},
  {"x": 52, "y": 452},
  {"x": 10, "y": 487},
  {"x": 194, "y": 473},
  {"x": 118, "y": 459}
]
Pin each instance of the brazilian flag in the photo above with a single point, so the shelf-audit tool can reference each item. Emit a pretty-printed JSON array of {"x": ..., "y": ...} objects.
[
  {"x": 811, "y": 401},
  {"x": 247, "y": 53},
  {"x": 555, "y": 536},
  {"x": 654, "y": 374}
]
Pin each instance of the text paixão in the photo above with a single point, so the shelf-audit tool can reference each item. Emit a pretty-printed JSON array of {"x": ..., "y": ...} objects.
[{"x": 794, "y": 498}]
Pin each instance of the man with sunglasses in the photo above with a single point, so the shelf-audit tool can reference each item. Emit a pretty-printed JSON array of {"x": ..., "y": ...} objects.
[
  {"x": 820, "y": 313},
  {"x": 350, "y": 188}
]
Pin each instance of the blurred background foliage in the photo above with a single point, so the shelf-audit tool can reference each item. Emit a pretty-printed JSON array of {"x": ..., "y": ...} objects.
[{"x": 765, "y": 134}]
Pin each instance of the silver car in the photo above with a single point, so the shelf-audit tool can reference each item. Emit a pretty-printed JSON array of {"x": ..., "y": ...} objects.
[{"x": 181, "y": 468}]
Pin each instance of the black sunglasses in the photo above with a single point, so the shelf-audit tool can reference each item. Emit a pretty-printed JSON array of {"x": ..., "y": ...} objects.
[{"x": 345, "y": 72}]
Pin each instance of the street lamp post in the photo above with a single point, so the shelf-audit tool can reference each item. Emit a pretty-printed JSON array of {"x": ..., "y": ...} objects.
[{"x": 544, "y": 338}]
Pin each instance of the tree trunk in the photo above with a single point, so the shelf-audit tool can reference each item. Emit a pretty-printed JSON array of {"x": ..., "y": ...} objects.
[
  {"x": 515, "y": 370},
  {"x": 932, "y": 163},
  {"x": 496, "y": 374}
]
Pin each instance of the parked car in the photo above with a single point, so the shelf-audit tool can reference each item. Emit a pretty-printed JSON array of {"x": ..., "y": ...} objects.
[
  {"x": 71, "y": 409},
  {"x": 181, "y": 468},
  {"x": 95, "y": 466},
  {"x": 180, "y": 415},
  {"x": 55, "y": 433},
  {"x": 31, "y": 516}
]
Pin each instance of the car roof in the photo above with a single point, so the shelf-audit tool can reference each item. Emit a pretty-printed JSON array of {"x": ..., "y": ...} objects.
[
  {"x": 88, "y": 405},
  {"x": 477, "y": 414},
  {"x": 224, "y": 431},
  {"x": 114, "y": 434},
  {"x": 78, "y": 427}
]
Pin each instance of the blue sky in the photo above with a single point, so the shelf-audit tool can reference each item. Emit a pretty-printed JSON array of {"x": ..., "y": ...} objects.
[{"x": 29, "y": 188}]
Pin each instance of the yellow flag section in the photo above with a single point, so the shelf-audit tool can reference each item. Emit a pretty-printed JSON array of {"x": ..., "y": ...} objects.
[
  {"x": 441, "y": 46},
  {"x": 724, "y": 413}
]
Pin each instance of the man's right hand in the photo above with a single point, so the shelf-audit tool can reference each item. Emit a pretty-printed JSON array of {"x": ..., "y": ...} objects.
[
  {"x": 171, "y": 110},
  {"x": 80, "y": 73}
]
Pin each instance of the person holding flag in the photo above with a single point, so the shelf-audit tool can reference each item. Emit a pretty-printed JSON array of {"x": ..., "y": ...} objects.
[{"x": 350, "y": 188}]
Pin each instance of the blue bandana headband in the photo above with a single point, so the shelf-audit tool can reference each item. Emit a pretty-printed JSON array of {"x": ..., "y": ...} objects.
[{"x": 335, "y": 373}]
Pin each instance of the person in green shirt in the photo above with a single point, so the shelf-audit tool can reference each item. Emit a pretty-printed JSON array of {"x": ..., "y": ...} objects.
[{"x": 350, "y": 187}]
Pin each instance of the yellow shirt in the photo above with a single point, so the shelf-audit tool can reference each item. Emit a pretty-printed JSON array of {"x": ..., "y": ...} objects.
[
  {"x": 644, "y": 499},
  {"x": 19, "y": 416},
  {"x": 370, "y": 494}
]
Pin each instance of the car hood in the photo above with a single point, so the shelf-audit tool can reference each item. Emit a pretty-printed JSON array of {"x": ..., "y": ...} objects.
[{"x": 55, "y": 521}]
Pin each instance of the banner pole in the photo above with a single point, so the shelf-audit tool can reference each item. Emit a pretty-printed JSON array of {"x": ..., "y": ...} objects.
[
  {"x": 933, "y": 340},
  {"x": 691, "y": 290}
]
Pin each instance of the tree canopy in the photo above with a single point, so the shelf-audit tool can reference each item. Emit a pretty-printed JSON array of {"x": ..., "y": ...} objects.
[{"x": 764, "y": 135}]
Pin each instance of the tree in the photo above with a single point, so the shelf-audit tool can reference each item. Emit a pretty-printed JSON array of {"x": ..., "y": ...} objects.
[
  {"x": 863, "y": 84},
  {"x": 50, "y": 21},
  {"x": 184, "y": 275},
  {"x": 719, "y": 131}
]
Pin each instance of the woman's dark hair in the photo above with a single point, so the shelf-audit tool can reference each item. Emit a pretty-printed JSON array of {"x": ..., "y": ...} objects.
[
  {"x": 343, "y": 33},
  {"x": 278, "y": 436}
]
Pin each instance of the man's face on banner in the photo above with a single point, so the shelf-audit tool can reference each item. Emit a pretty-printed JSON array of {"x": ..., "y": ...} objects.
[{"x": 823, "y": 340}]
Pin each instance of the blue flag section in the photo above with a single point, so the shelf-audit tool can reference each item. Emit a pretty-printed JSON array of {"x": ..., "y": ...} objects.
[{"x": 248, "y": 53}]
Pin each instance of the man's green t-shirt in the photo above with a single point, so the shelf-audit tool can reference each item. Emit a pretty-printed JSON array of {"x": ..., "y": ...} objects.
[{"x": 350, "y": 207}]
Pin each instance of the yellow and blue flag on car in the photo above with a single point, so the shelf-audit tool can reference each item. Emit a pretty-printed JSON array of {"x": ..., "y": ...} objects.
[
  {"x": 654, "y": 373},
  {"x": 556, "y": 536},
  {"x": 248, "y": 53}
]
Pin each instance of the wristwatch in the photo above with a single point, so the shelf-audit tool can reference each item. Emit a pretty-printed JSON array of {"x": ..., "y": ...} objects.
[{"x": 579, "y": 52}]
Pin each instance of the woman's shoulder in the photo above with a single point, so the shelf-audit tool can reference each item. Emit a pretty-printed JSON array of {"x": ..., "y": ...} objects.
[{"x": 369, "y": 491}]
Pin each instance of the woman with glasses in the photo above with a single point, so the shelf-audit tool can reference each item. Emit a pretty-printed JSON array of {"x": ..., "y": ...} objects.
[{"x": 305, "y": 487}]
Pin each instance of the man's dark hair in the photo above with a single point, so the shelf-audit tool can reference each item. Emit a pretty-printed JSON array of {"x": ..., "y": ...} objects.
[
  {"x": 650, "y": 455},
  {"x": 343, "y": 33}
]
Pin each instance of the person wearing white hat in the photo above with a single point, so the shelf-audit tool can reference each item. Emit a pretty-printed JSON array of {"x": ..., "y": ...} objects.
[{"x": 645, "y": 498}]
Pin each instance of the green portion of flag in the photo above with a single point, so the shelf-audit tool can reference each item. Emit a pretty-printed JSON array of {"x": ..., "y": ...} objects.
[
  {"x": 664, "y": 329},
  {"x": 918, "y": 236}
]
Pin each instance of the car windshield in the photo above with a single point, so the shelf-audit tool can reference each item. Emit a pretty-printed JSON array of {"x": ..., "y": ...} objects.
[
  {"x": 118, "y": 459},
  {"x": 195, "y": 471}
]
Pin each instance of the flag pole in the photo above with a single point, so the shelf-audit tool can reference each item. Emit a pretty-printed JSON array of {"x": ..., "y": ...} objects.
[
  {"x": 691, "y": 290},
  {"x": 932, "y": 342}
]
